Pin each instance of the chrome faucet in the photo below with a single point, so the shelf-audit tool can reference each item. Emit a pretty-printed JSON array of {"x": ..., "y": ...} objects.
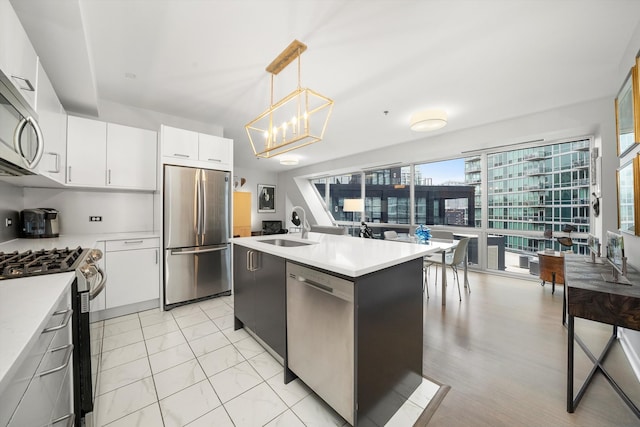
[{"x": 295, "y": 219}]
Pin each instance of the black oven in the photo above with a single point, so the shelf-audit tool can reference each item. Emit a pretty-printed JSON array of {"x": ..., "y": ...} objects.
[{"x": 88, "y": 284}]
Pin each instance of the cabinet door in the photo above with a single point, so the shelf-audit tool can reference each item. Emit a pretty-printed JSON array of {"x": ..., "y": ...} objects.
[
  {"x": 243, "y": 284},
  {"x": 131, "y": 157},
  {"x": 179, "y": 143},
  {"x": 86, "y": 152},
  {"x": 18, "y": 58},
  {"x": 133, "y": 276},
  {"x": 53, "y": 122},
  {"x": 215, "y": 150},
  {"x": 270, "y": 297}
]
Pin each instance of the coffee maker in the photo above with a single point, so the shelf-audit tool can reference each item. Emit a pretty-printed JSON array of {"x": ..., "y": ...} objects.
[{"x": 39, "y": 222}]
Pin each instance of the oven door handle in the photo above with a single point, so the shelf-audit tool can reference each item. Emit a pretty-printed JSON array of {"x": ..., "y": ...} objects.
[{"x": 96, "y": 290}]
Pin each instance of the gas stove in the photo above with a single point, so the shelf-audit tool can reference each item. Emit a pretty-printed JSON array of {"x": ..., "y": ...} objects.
[{"x": 16, "y": 264}]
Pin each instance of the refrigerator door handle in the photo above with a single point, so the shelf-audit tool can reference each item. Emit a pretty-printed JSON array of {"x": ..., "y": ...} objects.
[
  {"x": 197, "y": 251},
  {"x": 197, "y": 205},
  {"x": 204, "y": 206}
]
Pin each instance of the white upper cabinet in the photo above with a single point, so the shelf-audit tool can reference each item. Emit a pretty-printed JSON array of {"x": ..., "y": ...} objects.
[
  {"x": 179, "y": 143},
  {"x": 189, "y": 148},
  {"x": 53, "y": 123},
  {"x": 131, "y": 157},
  {"x": 216, "y": 150},
  {"x": 18, "y": 58},
  {"x": 107, "y": 155},
  {"x": 86, "y": 152}
]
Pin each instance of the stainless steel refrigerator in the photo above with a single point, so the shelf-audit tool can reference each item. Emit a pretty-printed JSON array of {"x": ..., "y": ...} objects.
[{"x": 197, "y": 227}]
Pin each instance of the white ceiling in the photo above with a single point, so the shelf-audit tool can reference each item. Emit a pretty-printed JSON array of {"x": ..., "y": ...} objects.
[{"x": 481, "y": 60}]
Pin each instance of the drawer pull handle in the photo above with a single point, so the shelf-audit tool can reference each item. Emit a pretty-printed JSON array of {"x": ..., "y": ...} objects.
[
  {"x": 70, "y": 417},
  {"x": 215, "y": 160},
  {"x": 69, "y": 348},
  {"x": 65, "y": 321},
  {"x": 186, "y": 156},
  {"x": 131, "y": 242}
]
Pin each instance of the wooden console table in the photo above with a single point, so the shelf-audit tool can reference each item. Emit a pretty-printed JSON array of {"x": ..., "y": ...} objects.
[{"x": 590, "y": 297}]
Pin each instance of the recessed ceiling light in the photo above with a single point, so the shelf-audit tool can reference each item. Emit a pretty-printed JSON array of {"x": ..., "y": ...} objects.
[{"x": 131, "y": 76}]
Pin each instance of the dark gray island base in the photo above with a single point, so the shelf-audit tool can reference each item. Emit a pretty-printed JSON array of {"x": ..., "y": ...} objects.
[{"x": 387, "y": 329}]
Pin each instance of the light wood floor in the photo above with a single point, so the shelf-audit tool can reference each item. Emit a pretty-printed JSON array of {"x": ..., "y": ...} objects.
[{"x": 503, "y": 351}]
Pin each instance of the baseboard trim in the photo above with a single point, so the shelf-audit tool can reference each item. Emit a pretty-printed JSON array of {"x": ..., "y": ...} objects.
[{"x": 629, "y": 351}]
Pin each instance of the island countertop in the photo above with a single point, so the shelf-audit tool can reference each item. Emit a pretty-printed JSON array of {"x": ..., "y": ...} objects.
[{"x": 346, "y": 255}]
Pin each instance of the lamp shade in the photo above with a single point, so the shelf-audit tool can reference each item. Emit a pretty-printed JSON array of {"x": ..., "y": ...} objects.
[
  {"x": 353, "y": 205},
  {"x": 424, "y": 121}
]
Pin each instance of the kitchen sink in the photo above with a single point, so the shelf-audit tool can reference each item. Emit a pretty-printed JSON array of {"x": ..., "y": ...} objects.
[{"x": 287, "y": 243}]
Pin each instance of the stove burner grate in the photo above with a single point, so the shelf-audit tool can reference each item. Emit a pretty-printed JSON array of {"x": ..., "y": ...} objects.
[{"x": 31, "y": 263}]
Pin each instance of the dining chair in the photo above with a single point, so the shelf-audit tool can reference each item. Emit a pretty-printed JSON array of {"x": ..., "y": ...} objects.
[
  {"x": 453, "y": 262},
  {"x": 390, "y": 235},
  {"x": 436, "y": 259}
]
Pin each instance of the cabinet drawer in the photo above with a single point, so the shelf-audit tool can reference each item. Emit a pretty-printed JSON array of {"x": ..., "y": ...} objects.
[
  {"x": 133, "y": 243},
  {"x": 30, "y": 364},
  {"x": 37, "y": 405}
]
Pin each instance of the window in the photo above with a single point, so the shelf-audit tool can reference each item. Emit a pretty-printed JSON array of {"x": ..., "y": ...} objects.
[{"x": 529, "y": 190}]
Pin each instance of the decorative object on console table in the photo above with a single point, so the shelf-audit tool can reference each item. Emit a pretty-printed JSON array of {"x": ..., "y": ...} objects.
[{"x": 266, "y": 198}]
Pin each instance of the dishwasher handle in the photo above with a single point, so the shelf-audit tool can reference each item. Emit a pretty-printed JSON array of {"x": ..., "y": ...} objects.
[{"x": 323, "y": 288}]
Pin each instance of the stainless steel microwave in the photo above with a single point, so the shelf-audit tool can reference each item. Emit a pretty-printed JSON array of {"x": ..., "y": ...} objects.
[{"x": 21, "y": 141}]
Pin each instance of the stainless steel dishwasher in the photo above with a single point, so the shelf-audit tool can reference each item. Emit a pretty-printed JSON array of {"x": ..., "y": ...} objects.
[{"x": 320, "y": 335}]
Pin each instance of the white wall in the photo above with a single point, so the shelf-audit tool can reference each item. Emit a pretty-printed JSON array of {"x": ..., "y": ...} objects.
[
  {"x": 10, "y": 206},
  {"x": 120, "y": 211},
  {"x": 253, "y": 178},
  {"x": 148, "y": 119}
]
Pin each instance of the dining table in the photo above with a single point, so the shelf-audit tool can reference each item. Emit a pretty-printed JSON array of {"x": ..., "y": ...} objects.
[{"x": 441, "y": 247}]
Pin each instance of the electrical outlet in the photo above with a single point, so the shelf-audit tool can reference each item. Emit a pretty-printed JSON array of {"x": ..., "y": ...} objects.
[
  {"x": 95, "y": 219},
  {"x": 8, "y": 222}
]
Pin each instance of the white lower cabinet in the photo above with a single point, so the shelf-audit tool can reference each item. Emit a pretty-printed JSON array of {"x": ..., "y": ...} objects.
[
  {"x": 133, "y": 271},
  {"x": 42, "y": 389}
]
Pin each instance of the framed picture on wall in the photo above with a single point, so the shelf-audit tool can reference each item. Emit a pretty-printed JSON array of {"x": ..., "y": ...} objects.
[
  {"x": 627, "y": 108},
  {"x": 266, "y": 198}
]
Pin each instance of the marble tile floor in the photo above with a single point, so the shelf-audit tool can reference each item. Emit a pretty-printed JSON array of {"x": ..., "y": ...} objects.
[{"x": 188, "y": 367}]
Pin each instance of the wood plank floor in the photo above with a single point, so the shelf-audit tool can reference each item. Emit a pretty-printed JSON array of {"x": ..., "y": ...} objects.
[{"x": 503, "y": 352}]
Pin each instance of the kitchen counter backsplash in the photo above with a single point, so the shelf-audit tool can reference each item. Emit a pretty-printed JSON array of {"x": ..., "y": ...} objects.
[{"x": 11, "y": 231}]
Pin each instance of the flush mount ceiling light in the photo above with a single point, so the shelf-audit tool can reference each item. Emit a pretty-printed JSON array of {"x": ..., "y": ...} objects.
[
  {"x": 297, "y": 120},
  {"x": 425, "y": 121},
  {"x": 289, "y": 161}
]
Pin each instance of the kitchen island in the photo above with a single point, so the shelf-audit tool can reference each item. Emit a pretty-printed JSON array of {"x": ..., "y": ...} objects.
[{"x": 344, "y": 314}]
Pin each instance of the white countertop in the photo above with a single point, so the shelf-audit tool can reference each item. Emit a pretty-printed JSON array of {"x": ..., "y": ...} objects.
[
  {"x": 27, "y": 303},
  {"x": 71, "y": 240},
  {"x": 346, "y": 255},
  {"x": 25, "y": 307}
]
